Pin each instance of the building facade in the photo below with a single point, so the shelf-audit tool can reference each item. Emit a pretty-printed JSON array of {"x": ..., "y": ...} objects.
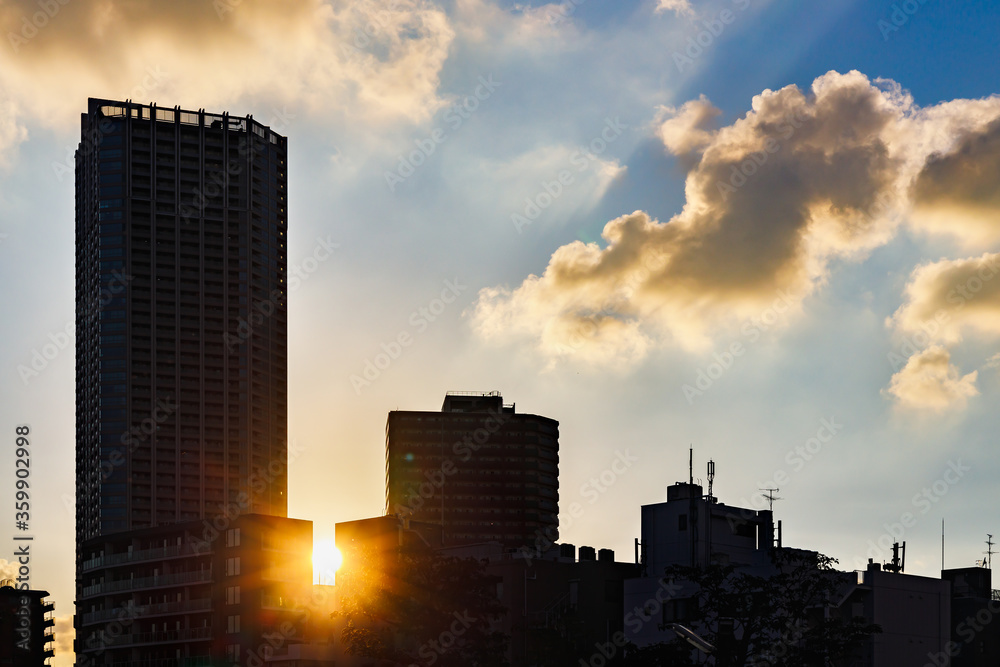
[
  {"x": 193, "y": 594},
  {"x": 181, "y": 322},
  {"x": 975, "y": 634},
  {"x": 477, "y": 468}
]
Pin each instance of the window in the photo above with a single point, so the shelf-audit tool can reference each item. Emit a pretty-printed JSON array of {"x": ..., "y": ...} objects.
[
  {"x": 232, "y": 566},
  {"x": 233, "y": 623},
  {"x": 233, "y": 537},
  {"x": 233, "y": 652},
  {"x": 232, "y": 595}
]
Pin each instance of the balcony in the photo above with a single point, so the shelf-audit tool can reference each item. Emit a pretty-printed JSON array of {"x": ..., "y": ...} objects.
[
  {"x": 170, "y": 636},
  {"x": 201, "y": 576},
  {"x": 138, "y": 556},
  {"x": 144, "y": 611}
]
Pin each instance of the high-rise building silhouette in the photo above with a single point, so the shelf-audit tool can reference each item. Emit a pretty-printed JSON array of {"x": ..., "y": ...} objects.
[
  {"x": 477, "y": 468},
  {"x": 181, "y": 321},
  {"x": 181, "y": 393}
]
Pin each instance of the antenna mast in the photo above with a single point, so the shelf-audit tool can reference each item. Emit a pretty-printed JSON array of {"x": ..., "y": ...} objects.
[
  {"x": 691, "y": 465},
  {"x": 711, "y": 478},
  {"x": 988, "y": 561},
  {"x": 771, "y": 497}
]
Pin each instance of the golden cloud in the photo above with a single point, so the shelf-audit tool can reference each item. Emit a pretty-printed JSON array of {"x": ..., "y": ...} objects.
[
  {"x": 771, "y": 199},
  {"x": 945, "y": 299},
  {"x": 804, "y": 178},
  {"x": 373, "y": 60},
  {"x": 958, "y": 192},
  {"x": 930, "y": 382}
]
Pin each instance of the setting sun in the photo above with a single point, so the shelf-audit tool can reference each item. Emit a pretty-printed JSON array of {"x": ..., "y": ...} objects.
[{"x": 326, "y": 560}]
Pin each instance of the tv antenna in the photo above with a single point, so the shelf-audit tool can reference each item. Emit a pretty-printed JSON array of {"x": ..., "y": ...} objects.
[
  {"x": 988, "y": 561},
  {"x": 771, "y": 497},
  {"x": 711, "y": 478}
]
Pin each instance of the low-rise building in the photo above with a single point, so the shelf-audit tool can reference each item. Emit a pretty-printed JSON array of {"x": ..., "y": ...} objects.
[{"x": 26, "y": 626}]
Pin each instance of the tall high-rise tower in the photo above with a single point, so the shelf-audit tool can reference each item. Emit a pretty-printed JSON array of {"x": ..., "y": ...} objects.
[
  {"x": 181, "y": 392},
  {"x": 181, "y": 219}
]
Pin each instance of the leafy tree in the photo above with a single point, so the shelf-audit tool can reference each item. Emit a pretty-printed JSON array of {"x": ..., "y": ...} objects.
[
  {"x": 412, "y": 606},
  {"x": 778, "y": 620}
]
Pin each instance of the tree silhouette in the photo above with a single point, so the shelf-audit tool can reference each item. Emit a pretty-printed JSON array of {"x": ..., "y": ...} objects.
[{"x": 788, "y": 618}]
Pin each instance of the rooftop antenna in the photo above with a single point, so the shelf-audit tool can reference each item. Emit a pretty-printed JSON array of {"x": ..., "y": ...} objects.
[
  {"x": 711, "y": 478},
  {"x": 988, "y": 561},
  {"x": 771, "y": 497},
  {"x": 691, "y": 465},
  {"x": 897, "y": 564}
]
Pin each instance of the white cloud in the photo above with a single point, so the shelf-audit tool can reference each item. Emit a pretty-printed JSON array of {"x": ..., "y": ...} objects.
[{"x": 679, "y": 7}]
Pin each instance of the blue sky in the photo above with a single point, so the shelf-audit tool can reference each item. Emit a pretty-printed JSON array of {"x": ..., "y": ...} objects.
[{"x": 593, "y": 96}]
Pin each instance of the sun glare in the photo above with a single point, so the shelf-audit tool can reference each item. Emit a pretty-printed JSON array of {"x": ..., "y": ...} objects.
[{"x": 326, "y": 560}]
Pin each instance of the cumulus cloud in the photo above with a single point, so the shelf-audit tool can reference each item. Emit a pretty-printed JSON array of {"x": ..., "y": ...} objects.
[
  {"x": 947, "y": 298},
  {"x": 686, "y": 129},
  {"x": 929, "y": 381},
  {"x": 679, "y": 7},
  {"x": 8, "y": 570},
  {"x": 374, "y": 59},
  {"x": 772, "y": 200},
  {"x": 958, "y": 192},
  {"x": 773, "y": 197}
]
